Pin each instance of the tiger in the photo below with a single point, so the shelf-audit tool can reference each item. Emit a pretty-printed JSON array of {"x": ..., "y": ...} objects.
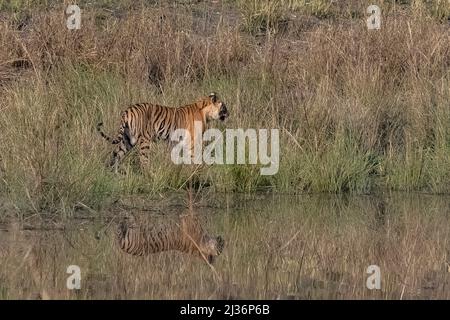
[
  {"x": 184, "y": 234},
  {"x": 144, "y": 123}
]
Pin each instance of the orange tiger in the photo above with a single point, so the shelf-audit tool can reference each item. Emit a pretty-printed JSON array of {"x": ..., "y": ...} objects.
[{"x": 144, "y": 123}]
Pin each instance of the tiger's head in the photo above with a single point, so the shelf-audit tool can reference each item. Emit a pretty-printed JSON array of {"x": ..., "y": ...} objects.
[
  {"x": 212, "y": 247},
  {"x": 213, "y": 108}
]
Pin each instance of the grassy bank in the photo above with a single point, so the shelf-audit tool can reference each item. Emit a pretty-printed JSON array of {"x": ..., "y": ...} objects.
[{"x": 358, "y": 110}]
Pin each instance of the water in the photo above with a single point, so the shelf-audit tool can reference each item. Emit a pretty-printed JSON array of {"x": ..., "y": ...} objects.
[{"x": 276, "y": 247}]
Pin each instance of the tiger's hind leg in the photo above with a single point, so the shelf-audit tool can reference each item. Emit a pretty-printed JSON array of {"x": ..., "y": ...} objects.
[
  {"x": 117, "y": 156},
  {"x": 144, "y": 150},
  {"x": 123, "y": 147}
]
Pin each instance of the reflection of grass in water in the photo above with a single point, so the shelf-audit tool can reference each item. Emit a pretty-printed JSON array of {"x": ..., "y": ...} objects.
[
  {"x": 281, "y": 247},
  {"x": 3, "y": 291}
]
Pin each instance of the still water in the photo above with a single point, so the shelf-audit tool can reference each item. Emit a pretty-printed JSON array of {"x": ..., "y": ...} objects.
[{"x": 390, "y": 246}]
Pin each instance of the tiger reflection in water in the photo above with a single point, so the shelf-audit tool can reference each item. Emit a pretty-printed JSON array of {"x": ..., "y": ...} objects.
[{"x": 182, "y": 233}]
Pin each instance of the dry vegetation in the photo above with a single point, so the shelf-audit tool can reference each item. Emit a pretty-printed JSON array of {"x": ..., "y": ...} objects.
[{"x": 358, "y": 110}]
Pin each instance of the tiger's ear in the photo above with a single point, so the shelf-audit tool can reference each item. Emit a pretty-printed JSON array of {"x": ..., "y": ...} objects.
[{"x": 213, "y": 97}]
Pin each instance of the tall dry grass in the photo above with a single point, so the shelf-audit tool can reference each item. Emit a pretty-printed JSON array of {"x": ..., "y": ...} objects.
[{"x": 358, "y": 110}]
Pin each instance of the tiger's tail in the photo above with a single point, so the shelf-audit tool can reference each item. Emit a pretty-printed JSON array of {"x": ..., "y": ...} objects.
[{"x": 108, "y": 138}]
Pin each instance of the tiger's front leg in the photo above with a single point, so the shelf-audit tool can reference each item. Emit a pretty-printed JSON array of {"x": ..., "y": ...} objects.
[{"x": 195, "y": 150}]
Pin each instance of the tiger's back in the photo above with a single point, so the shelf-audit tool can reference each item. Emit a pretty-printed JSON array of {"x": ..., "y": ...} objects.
[{"x": 157, "y": 122}]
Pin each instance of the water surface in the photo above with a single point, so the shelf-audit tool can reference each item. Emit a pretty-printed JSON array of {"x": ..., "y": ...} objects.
[{"x": 276, "y": 247}]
